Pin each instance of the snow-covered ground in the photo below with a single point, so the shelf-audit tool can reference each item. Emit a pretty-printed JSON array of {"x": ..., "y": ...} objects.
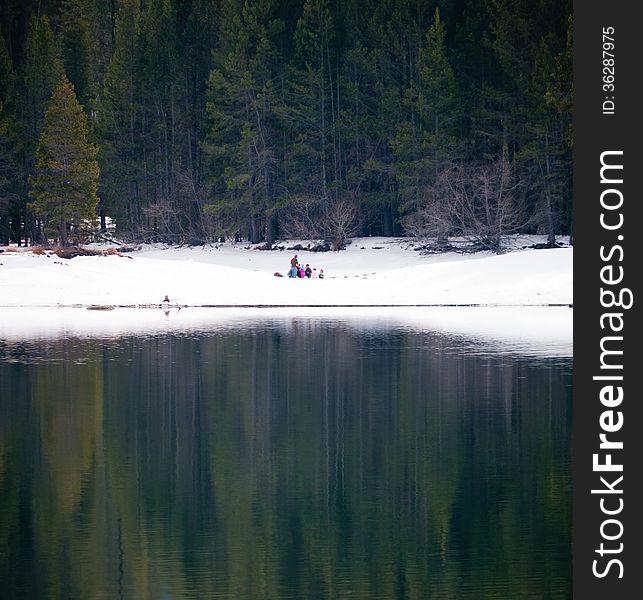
[
  {"x": 368, "y": 286},
  {"x": 372, "y": 271}
]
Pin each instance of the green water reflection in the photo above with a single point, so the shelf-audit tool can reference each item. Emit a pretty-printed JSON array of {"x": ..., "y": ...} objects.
[{"x": 309, "y": 462}]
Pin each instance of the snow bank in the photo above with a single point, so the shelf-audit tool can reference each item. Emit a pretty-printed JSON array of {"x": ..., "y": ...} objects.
[{"x": 373, "y": 271}]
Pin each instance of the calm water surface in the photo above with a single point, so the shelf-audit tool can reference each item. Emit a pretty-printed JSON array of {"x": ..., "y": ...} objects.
[{"x": 315, "y": 460}]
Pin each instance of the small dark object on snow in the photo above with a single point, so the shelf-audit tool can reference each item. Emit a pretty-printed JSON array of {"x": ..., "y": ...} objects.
[
  {"x": 546, "y": 246},
  {"x": 278, "y": 274}
]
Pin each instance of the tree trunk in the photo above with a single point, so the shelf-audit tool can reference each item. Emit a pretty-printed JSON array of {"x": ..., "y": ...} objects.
[
  {"x": 63, "y": 231},
  {"x": 254, "y": 234},
  {"x": 270, "y": 234},
  {"x": 551, "y": 237},
  {"x": 387, "y": 221}
]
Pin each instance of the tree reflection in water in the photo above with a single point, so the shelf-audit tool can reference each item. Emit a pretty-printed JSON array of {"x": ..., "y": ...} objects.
[{"x": 304, "y": 462}]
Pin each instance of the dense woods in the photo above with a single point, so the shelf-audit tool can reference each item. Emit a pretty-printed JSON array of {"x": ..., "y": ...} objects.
[{"x": 261, "y": 119}]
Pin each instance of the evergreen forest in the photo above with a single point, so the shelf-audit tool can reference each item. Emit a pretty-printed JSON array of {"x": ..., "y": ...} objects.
[{"x": 190, "y": 121}]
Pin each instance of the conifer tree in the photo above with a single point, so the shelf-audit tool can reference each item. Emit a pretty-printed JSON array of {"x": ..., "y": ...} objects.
[
  {"x": 118, "y": 124},
  {"x": 380, "y": 73},
  {"x": 545, "y": 156},
  {"x": 11, "y": 172},
  {"x": 65, "y": 186},
  {"x": 310, "y": 103},
  {"x": 243, "y": 142},
  {"x": 312, "y": 167},
  {"x": 437, "y": 100},
  {"x": 359, "y": 104},
  {"x": 76, "y": 46},
  {"x": 429, "y": 143},
  {"x": 43, "y": 70}
]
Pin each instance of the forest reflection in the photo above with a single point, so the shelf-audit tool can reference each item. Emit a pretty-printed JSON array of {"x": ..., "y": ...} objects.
[{"x": 309, "y": 462}]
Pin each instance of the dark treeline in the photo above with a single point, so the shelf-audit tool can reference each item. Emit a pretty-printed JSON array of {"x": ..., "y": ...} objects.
[{"x": 301, "y": 118}]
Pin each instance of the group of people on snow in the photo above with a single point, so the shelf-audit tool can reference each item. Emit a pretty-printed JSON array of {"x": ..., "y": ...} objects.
[{"x": 297, "y": 269}]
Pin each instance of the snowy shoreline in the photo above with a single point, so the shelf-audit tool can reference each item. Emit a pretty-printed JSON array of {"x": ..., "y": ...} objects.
[
  {"x": 375, "y": 272},
  {"x": 518, "y": 301},
  {"x": 528, "y": 331}
]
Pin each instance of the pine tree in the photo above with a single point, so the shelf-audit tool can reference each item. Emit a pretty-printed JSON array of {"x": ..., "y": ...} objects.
[
  {"x": 196, "y": 34},
  {"x": 559, "y": 85},
  {"x": 11, "y": 172},
  {"x": 317, "y": 101},
  {"x": 77, "y": 47},
  {"x": 545, "y": 156},
  {"x": 437, "y": 102},
  {"x": 377, "y": 77},
  {"x": 43, "y": 70},
  {"x": 309, "y": 118},
  {"x": 119, "y": 125},
  {"x": 66, "y": 182},
  {"x": 151, "y": 119},
  {"x": 243, "y": 141},
  {"x": 158, "y": 78},
  {"x": 311, "y": 109},
  {"x": 429, "y": 142}
]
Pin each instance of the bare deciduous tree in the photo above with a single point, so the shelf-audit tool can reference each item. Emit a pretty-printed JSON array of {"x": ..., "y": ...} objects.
[
  {"x": 158, "y": 221},
  {"x": 475, "y": 201},
  {"x": 483, "y": 203},
  {"x": 432, "y": 221},
  {"x": 341, "y": 221},
  {"x": 299, "y": 219},
  {"x": 334, "y": 221}
]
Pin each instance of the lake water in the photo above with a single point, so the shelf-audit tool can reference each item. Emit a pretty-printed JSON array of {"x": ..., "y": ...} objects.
[{"x": 299, "y": 458}]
